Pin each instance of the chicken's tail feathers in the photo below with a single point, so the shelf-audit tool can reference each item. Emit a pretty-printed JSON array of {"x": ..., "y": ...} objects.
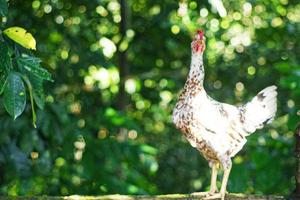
[{"x": 261, "y": 109}]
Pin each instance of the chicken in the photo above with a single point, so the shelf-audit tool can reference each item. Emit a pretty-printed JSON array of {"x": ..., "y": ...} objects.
[{"x": 218, "y": 130}]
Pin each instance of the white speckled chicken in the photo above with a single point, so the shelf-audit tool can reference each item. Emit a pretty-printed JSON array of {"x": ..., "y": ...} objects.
[{"x": 218, "y": 130}]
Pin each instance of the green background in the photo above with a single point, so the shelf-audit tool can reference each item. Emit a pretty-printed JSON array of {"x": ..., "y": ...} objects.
[{"x": 84, "y": 144}]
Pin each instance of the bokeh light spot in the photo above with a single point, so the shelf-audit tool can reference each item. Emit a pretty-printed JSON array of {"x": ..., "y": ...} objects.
[
  {"x": 290, "y": 103},
  {"x": 130, "y": 86},
  {"x": 193, "y": 5},
  {"x": 132, "y": 134},
  {"x": 261, "y": 61},
  {"x": 102, "y": 133},
  {"x": 203, "y": 12},
  {"x": 277, "y": 21},
  {"x": 217, "y": 84},
  {"x": 251, "y": 70},
  {"x": 64, "y": 54},
  {"x": 155, "y": 10},
  {"x": 59, "y": 19},
  {"x": 247, "y": 8},
  {"x": 101, "y": 11},
  {"x": 175, "y": 29},
  {"x": 239, "y": 86},
  {"x": 109, "y": 48},
  {"x": 47, "y": 8},
  {"x": 34, "y": 155},
  {"x": 36, "y": 4}
]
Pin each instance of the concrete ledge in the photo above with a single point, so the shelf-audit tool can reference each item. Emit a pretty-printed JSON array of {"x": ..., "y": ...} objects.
[{"x": 197, "y": 196}]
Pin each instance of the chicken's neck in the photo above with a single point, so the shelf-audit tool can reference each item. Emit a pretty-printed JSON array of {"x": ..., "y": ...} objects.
[{"x": 196, "y": 74}]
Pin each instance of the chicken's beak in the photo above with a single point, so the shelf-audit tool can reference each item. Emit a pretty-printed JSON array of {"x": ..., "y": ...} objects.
[
  {"x": 200, "y": 42},
  {"x": 200, "y": 37}
]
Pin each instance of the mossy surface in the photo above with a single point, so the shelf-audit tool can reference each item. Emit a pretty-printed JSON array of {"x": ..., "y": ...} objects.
[{"x": 198, "y": 196}]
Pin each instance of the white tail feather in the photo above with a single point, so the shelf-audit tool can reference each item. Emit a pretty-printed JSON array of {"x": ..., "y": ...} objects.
[{"x": 261, "y": 109}]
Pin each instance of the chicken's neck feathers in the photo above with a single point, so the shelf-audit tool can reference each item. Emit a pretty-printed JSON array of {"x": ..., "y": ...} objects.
[{"x": 196, "y": 73}]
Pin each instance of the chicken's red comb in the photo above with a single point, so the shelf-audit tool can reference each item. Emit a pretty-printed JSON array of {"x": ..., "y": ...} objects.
[{"x": 200, "y": 33}]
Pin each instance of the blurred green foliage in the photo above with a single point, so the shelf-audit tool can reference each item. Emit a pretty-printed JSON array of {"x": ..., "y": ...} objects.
[{"x": 84, "y": 145}]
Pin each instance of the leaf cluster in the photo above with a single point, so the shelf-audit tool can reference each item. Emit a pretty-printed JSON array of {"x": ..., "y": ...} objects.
[{"x": 20, "y": 69}]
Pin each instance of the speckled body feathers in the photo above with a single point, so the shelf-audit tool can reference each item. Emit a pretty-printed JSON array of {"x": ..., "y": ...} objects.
[{"x": 219, "y": 130}]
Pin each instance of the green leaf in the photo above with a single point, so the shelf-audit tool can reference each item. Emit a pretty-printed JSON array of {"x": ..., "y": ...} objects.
[
  {"x": 29, "y": 86},
  {"x": 14, "y": 95},
  {"x": 21, "y": 36},
  {"x": 38, "y": 90},
  {"x": 5, "y": 65},
  {"x": 3, "y": 8},
  {"x": 32, "y": 65}
]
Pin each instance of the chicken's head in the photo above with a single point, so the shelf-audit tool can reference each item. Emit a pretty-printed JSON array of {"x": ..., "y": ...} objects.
[{"x": 198, "y": 43}]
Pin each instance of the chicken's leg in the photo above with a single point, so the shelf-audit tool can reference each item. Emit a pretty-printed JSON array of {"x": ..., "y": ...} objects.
[
  {"x": 222, "y": 193},
  {"x": 213, "y": 182},
  {"x": 224, "y": 182}
]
